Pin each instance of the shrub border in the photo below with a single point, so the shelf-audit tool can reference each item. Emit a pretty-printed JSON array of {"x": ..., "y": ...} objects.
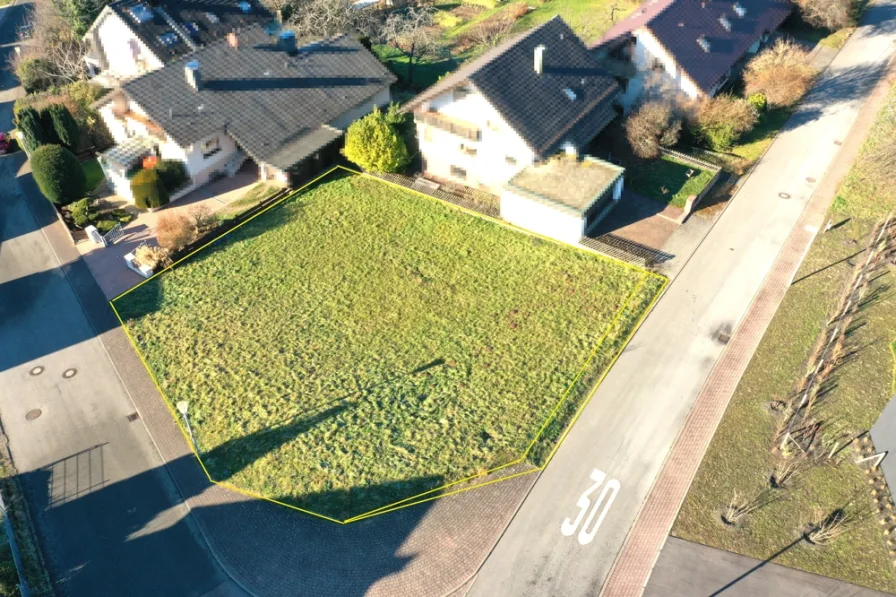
[{"x": 438, "y": 491}]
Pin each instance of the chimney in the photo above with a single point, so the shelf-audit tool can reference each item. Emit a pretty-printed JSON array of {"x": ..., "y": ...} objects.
[
  {"x": 539, "y": 59},
  {"x": 740, "y": 10},
  {"x": 233, "y": 40},
  {"x": 726, "y": 24},
  {"x": 287, "y": 42},
  {"x": 191, "y": 72}
]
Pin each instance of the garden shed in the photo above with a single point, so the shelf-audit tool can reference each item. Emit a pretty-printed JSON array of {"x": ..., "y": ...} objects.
[{"x": 563, "y": 197}]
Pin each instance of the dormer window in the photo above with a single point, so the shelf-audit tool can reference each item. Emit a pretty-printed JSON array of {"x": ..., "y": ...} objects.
[
  {"x": 726, "y": 24},
  {"x": 703, "y": 43},
  {"x": 739, "y": 9},
  {"x": 141, "y": 13},
  {"x": 169, "y": 39}
]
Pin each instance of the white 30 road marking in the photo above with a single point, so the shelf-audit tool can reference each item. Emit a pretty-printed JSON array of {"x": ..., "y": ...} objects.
[{"x": 586, "y": 535}]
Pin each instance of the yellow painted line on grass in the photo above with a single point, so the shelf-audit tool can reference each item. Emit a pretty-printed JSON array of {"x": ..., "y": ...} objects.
[{"x": 427, "y": 495}]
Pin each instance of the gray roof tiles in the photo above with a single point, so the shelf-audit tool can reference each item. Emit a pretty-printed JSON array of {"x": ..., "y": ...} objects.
[
  {"x": 536, "y": 105},
  {"x": 273, "y": 104}
]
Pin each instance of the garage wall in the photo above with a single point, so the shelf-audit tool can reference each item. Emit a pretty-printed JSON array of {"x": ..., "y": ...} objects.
[{"x": 541, "y": 218}]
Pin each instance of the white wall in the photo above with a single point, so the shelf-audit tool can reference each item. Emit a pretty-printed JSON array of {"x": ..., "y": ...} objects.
[
  {"x": 487, "y": 169},
  {"x": 126, "y": 55},
  {"x": 380, "y": 100},
  {"x": 541, "y": 218},
  {"x": 648, "y": 48}
]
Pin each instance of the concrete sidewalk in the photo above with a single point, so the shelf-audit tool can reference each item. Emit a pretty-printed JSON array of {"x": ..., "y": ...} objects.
[{"x": 691, "y": 570}]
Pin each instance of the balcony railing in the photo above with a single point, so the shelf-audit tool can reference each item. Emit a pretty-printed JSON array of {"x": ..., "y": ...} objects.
[{"x": 451, "y": 125}]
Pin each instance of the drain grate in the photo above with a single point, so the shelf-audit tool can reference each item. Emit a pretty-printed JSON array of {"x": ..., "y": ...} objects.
[
  {"x": 784, "y": 195},
  {"x": 35, "y": 371},
  {"x": 33, "y": 414},
  {"x": 69, "y": 373},
  {"x": 724, "y": 338},
  {"x": 133, "y": 417}
]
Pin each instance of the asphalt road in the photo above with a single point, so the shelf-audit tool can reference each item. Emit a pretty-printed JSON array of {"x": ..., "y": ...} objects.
[
  {"x": 558, "y": 544},
  {"x": 109, "y": 518}
]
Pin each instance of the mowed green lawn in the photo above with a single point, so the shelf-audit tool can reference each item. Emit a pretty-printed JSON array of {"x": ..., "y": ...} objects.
[
  {"x": 668, "y": 180},
  {"x": 359, "y": 344}
]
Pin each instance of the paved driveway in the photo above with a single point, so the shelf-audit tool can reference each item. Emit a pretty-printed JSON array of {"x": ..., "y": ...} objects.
[{"x": 628, "y": 428}]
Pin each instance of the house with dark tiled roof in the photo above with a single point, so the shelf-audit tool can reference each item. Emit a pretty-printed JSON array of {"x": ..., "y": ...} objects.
[
  {"x": 254, "y": 95},
  {"x": 133, "y": 37},
  {"x": 525, "y": 100},
  {"x": 506, "y": 114},
  {"x": 688, "y": 47}
]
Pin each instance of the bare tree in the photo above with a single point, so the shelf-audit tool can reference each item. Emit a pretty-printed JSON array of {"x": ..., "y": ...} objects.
[
  {"x": 411, "y": 31},
  {"x": 781, "y": 72},
  {"x": 54, "y": 53},
  {"x": 829, "y": 14},
  {"x": 330, "y": 17},
  {"x": 491, "y": 31},
  {"x": 653, "y": 125}
]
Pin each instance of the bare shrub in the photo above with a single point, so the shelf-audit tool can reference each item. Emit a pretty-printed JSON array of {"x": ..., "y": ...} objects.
[
  {"x": 827, "y": 527},
  {"x": 781, "y": 72},
  {"x": 413, "y": 32},
  {"x": 151, "y": 256},
  {"x": 828, "y": 14},
  {"x": 739, "y": 508},
  {"x": 721, "y": 120},
  {"x": 203, "y": 219},
  {"x": 655, "y": 124},
  {"x": 174, "y": 231},
  {"x": 54, "y": 54},
  {"x": 491, "y": 31}
]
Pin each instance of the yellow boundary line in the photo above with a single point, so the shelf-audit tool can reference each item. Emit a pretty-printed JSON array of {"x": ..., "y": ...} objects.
[{"x": 416, "y": 499}]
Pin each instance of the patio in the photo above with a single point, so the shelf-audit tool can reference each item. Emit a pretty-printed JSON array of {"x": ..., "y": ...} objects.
[{"x": 107, "y": 263}]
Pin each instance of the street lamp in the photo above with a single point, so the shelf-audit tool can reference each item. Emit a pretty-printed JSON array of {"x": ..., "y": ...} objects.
[{"x": 183, "y": 406}]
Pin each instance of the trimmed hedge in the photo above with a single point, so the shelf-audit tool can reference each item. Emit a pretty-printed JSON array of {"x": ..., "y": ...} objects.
[
  {"x": 149, "y": 190},
  {"x": 58, "y": 174},
  {"x": 64, "y": 125},
  {"x": 28, "y": 123},
  {"x": 173, "y": 174}
]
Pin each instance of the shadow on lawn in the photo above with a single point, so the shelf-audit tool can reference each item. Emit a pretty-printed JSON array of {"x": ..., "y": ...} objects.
[{"x": 99, "y": 536}]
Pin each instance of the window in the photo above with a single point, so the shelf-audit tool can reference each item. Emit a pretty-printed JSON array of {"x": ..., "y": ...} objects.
[
  {"x": 458, "y": 172},
  {"x": 467, "y": 149},
  {"x": 510, "y": 160},
  {"x": 210, "y": 147}
]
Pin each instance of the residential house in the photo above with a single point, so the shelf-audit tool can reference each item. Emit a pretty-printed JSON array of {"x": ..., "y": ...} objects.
[
  {"x": 686, "y": 47},
  {"x": 133, "y": 37},
  {"x": 522, "y": 102},
  {"x": 283, "y": 104}
]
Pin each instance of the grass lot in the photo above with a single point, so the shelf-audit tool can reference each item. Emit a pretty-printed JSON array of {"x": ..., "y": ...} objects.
[
  {"x": 739, "y": 458},
  {"x": 864, "y": 193},
  {"x": 588, "y": 18},
  {"x": 256, "y": 195},
  {"x": 93, "y": 174},
  {"x": 359, "y": 344},
  {"x": 650, "y": 178},
  {"x": 754, "y": 143}
]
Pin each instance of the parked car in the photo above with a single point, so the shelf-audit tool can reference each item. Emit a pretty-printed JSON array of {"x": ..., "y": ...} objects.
[{"x": 4, "y": 144}]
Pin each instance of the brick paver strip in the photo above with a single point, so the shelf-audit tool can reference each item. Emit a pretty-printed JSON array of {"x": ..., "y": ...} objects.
[
  {"x": 431, "y": 549},
  {"x": 632, "y": 568}
]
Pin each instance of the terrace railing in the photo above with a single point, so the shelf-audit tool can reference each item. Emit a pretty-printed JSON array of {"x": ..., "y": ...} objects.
[{"x": 451, "y": 125}]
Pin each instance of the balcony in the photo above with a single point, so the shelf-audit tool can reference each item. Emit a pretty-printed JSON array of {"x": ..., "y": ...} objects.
[{"x": 452, "y": 125}]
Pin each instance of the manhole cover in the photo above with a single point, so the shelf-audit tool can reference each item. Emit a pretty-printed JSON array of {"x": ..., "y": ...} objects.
[
  {"x": 784, "y": 195},
  {"x": 810, "y": 179},
  {"x": 838, "y": 142},
  {"x": 36, "y": 370},
  {"x": 724, "y": 338},
  {"x": 69, "y": 373},
  {"x": 33, "y": 414}
]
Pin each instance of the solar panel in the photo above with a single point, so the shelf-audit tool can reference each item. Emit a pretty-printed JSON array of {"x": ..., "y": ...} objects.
[
  {"x": 141, "y": 13},
  {"x": 192, "y": 27},
  {"x": 169, "y": 38},
  {"x": 245, "y": 6}
]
